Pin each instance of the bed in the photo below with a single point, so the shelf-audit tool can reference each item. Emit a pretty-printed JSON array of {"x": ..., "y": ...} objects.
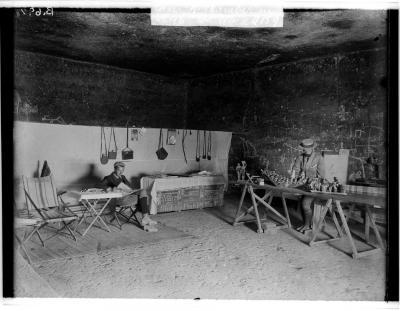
[{"x": 174, "y": 193}]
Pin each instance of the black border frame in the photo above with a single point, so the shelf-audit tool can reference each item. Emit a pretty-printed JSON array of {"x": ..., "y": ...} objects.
[
  {"x": 7, "y": 145},
  {"x": 392, "y": 238}
]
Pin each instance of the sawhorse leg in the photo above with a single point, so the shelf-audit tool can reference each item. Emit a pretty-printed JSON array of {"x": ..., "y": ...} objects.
[
  {"x": 366, "y": 226},
  {"x": 356, "y": 253},
  {"x": 253, "y": 200},
  {"x": 375, "y": 228},
  {"x": 251, "y": 210},
  {"x": 327, "y": 207},
  {"x": 284, "y": 221},
  {"x": 347, "y": 230},
  {"x": 285, "y": 209},
  {"x": 237, "y": 217}
]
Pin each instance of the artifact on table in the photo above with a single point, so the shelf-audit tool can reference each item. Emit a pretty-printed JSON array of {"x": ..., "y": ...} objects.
[{"x": 241, "y": 170}]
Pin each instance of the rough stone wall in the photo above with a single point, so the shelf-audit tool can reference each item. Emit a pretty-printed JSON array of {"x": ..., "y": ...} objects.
[
  {"x": 92, "y": 94},
  {"x": 339, "y": 100}
]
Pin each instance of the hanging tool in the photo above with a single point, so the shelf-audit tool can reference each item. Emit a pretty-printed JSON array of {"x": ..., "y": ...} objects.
[
  {"x": 209, "y": 146},
  {"x": 198, "y": 146},
  {"x": 112, "y": 154},
  {"x": 103, "y": 155},
  {"x": 161, "y": 152},
  {"x": 204, "y": 145},
  {"x": 127, "y": 153},
  {"x": 183, "y": 144},
  {"x": 135, "y": 134}
]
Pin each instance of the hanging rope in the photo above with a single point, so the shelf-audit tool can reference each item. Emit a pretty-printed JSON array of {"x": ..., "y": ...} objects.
[
  {"x": 183, "y": 144},
  {"x": 204, "y": 145},
  {"x": 198, "y": 146},
  {"x": 209, "y": 146}
]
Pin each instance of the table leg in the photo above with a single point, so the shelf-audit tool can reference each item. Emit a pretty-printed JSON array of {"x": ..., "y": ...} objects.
[
  {"x": 299, "y": 209},
  {"x": 264, "y": 212},
  {"x": 88, "y": 207},
  {"x": 98, "y": 217},
  {"x": 335, "y": 220},
  {"x": 318, "y": 224},
  {"x": 260, "y": 229},
  {"x": 375, "y": 228},
  {"x": 101, "y": 219},
  {"x": 349, "y": 215},
  {"x": 286, "y": 210},
  {"x": 240, "y": 205},
  {"x": 347, "y": 229},
  {"x": 367, "y": 226},
  {"x": 83, "y": 217},
  {"x": 270, "y": 208},
  {"x": 251, "y": 210},
  {"x": 269, "y": 203}
]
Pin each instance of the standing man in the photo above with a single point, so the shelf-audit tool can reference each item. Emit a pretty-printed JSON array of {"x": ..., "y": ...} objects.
[
  {"x": 309, "y": 164},
  {"x": 114, "y": 180}
]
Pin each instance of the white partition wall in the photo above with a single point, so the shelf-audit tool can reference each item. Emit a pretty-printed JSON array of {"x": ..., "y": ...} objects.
[{"x": 73, "y": 153}]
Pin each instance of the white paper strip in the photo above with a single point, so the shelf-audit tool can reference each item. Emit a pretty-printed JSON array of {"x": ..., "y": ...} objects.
[
  {"x": 217, "y": 13},
  {"x": 288, "y": 4}
]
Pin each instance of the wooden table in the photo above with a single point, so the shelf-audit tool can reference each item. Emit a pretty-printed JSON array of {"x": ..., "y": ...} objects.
[
  {"x": 366, "y": 200},
  {"x": 265, "y": 200},
  {"x": 90, "y": 202}
]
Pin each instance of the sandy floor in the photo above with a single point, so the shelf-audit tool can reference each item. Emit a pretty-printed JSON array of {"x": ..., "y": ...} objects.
[{"x": 222, "y": 261}]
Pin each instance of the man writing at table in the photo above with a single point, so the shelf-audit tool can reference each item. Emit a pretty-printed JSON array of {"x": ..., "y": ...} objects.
[
  {"x": 309, "y": 164},
  {"x": 116, "y": 180}
]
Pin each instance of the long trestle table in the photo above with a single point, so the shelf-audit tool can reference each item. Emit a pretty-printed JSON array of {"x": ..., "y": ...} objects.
[{"x": 324, "y": 203}]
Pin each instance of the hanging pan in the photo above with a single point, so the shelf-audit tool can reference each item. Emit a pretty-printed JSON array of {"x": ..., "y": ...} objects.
[
  {"x": 127, "y": 153},
  {"x": 161, "y": 152},
  {"x": 112, "y": 154},
  {"x": 103, "y": 153}
]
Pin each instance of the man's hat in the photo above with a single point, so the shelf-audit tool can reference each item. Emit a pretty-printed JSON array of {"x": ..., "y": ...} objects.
[
  {"x": 119, "y": 163},
  {"x": 307, "y": 143}
]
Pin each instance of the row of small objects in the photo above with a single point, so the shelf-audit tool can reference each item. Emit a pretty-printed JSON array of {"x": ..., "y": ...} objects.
[
  {"x": 316, "y": 184},
  {"x": 320, "y": 184},
  {"x": 280, "y": 180}
]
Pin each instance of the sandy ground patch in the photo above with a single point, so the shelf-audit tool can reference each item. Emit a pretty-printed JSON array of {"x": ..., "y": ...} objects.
[{"x": 221, "y": 262}]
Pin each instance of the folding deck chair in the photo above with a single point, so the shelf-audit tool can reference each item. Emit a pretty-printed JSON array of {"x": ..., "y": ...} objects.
[
  {"x": 23, "y": 223},
  {"x": 43, "y": 204}
]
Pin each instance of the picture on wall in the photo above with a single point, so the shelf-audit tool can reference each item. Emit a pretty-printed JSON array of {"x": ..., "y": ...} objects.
[{"x": 171, "y": 137}]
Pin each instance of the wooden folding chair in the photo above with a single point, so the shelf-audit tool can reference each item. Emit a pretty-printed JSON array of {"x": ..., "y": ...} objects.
[
  {"x": 120, "y": 211},
  {"x": 42, "y": 203}
]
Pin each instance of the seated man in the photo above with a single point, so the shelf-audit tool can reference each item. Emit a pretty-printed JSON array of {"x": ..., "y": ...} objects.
[
  {"x": 112, "y": 181},
  {"x": 310, "y": 165}
]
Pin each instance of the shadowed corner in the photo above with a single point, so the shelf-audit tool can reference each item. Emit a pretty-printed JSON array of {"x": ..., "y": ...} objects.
[{"x": 90, "y": 179}]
